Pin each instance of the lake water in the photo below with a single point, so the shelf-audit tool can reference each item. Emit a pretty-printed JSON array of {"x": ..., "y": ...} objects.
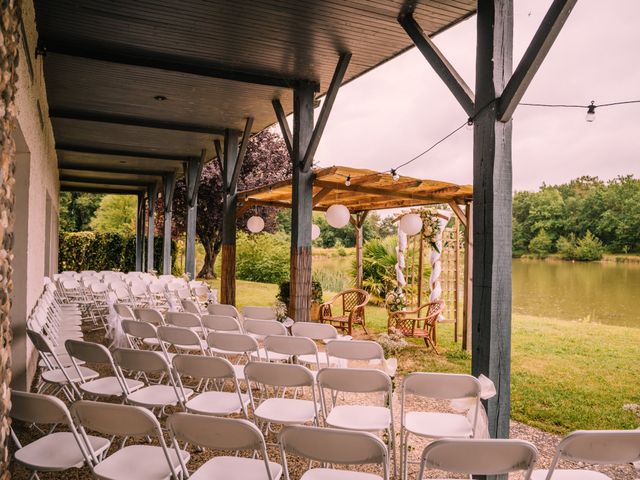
[{"x": 607, "y": 293}]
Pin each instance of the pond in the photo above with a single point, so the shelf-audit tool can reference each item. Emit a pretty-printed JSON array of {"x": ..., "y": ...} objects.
[{"x": 606, "y": 292}]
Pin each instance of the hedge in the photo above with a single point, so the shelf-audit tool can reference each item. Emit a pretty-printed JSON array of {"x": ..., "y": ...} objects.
[{"x": 105, "y": 251}]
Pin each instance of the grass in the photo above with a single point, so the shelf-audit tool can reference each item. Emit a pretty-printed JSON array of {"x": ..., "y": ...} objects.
[{"x": 565, "y": 375}]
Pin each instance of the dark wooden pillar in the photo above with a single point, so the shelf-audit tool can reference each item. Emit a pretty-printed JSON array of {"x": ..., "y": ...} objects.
[
  {"x": 468, "y": 279},
  {"x": 229, "y": 207},
  {"x": 140, "y": 233},
  {"x": 153, "y": 195},
  {"x": 302, "y": 205},
  {"x": 358, "y": 222},
  {"x": 491, "y": 311},
  {"x": 169, "y": 183},
  {"x": 193, "y": 171}
]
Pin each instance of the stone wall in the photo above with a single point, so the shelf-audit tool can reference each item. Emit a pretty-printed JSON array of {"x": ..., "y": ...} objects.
[{"x": 9, "y": 46}]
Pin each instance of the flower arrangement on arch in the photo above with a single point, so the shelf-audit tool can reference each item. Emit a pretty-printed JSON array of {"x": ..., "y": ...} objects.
[
  {"x": 396, "y": 300},
  {"x": 430, "y": 228}
]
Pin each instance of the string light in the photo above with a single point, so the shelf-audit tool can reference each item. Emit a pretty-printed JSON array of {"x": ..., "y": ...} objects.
[
  {"x": 395, "y": 175},
  {"x": 347, "y": 182},
  {"x": 591, "y": 112}
]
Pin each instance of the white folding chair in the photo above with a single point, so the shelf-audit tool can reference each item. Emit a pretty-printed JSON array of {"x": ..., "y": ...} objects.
[
  {"x": 190, "y": 306},
  {"x": 141, "y": 334},
  {"x": 435, "y": 425},
  {"x": 186, "y": 320},
  {"x": 215, "y": 371},
  {"x": 55, "y": 451},
  {"x": 220, "y": 323},
  {"x": 153, "y": 395},
  {"x": 142, "y": 462},
  {"x": 140, "y": 294},
  {"x": 480, "y": 457},
  {"x": 149, "y": 315},
  {"x": 260, "y": 329},
  {"x": 258, "y": 313},
  {"x": 181, "y": 339},
  {"x": 223, "y": 309},
  {"x": 595, "y": 447},
  {"x": 124, "y": 311},
  {"x": 273, "y": 407},
  {"x": 239, "y": 345},
  {"x": 292, "y": 347},
  {"x": 105, "y": 386},
  {"x": 333, "y": 446},
  {"x": 343, "y": 352},
  {"x": 228, "y": 434},
  {"x": 314, "y": 331},
  {"x": 361, "y": 417}
]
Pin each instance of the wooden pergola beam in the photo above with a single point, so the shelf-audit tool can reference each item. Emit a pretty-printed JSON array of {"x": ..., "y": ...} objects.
[
  {"x": 459, "y": 213},
  {"x": 284, "y": 125},
  {"x": 317, "y": 198},
  {"x": 533, "y": 57},
  {"x": 425, "y": 195},
  {"x": 241, "y": 153},
  {"x": 438, "y": 62}
]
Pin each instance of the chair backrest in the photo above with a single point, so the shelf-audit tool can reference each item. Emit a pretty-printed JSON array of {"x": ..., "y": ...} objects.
[
  {"x": 232, "y": 342},
  {"x": 175, "y": 285},
  {"x": 278, "y": 374},
  {"x": 141, "y": 361},
  {"x": 354, "y": 380},
  {"x": 88, "y": 351},
  {"x": 157, "y": 287},
  {"x": 38, "y": 408},
  {"x": 441, "y": 386},
  {"x": 264, "y": 327},
  {"x": 190, "y": 306},
  {"x": 355, "y": 350},
  {"x": 221, "y": 323},
  {"x": 138, "y": 288},
  {"x": 332, "y": 445},
  {"x": 222, "y": 309},
  {"x": 139, "y": 329},
  {"x": 479, "y": 457},
  {"x": 259, "y": 313},
  {"x": 178, "y": 336},
  {"x": 288, "y": 345},
  {"x": 199, "y": 366},
  {"x": 603, "y": 447},
  {"x": 314, "y": 330},
  {"x": 124, "y": 311},
  {"x": 183, "y": 319},
  {"x": 149, "y": 315},
  {"x": 352, "y": 298}
]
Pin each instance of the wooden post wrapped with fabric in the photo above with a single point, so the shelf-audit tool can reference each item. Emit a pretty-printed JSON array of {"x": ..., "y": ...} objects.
[
  {"x": 358, "y": 222},
  {"x": 193, "y": 172},
  {"x": 152, "y": 195},
  {"x": 140, "y": 233},
  {"x": 169, "y": 184},
  {"x": 9, "y": 45}
]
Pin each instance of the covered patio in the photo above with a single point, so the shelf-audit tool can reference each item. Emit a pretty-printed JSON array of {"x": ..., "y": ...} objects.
[{"x": 128, "y": 97}]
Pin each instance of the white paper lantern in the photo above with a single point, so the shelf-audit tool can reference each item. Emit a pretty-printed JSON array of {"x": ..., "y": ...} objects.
[
  {"x": 411, "y": 223},
  {"x": 255, "y": 224},
  {"x": 315, "y": 231},
  {"x": 338, "y": 216}
]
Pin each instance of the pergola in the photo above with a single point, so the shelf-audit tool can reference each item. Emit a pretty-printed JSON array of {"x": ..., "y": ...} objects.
[{"x": 142, "y": 92}]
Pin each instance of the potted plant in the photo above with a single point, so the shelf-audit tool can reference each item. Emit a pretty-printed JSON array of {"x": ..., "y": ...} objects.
[{"x": 284, "y": 294}]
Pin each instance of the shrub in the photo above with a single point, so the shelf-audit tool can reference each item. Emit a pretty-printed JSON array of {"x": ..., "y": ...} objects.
[
  {"x": 284, "y": 292},
  {"x": 541, "y": 244},
  {"x": 262, "y": 257},
  {"x": 589, "y": 248},
  {"x": 567, "y": 247}
]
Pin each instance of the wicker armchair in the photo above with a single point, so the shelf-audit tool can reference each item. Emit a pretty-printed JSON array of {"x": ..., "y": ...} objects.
[
  {"x": 420, "y": 322},
  {"x": 353, "y": 303}
]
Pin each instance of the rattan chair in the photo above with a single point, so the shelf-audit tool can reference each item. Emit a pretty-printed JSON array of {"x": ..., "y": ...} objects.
[
  {"x": 420, "y": 322},
  {"x": 353, "y": 303}
]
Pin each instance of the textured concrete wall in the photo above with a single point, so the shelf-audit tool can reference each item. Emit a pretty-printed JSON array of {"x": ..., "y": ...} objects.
[
  {"x": 36, "y": 179},
  {"x": 9, "y": 39}
]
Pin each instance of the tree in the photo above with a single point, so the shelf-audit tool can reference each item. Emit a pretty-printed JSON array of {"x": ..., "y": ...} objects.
[
  {"x": 541, "y": 244},
  {"x": 116, "y": 214},
  {"x": 77, "y": 210},
  {"x": 266, "y": 161}
]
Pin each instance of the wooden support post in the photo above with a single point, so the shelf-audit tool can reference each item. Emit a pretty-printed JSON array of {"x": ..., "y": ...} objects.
[
  {"x": 169, "y": 183},
  {"x": 229, "y": 207},
  {"x": 492, "y": 190},
  {"x": 140, "y": 233},
  {"x": 456, "y": 282},
  {"x": 420, "y": 268},
  {"x": 193, "y": 172},
  {"x": 302, "y": 205},
  {"x": 152, "y": 195},
  {"x": 358, "y": 224}
]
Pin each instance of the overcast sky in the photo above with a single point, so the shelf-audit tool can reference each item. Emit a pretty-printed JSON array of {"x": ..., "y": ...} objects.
[{"x": 396, "y": 111}]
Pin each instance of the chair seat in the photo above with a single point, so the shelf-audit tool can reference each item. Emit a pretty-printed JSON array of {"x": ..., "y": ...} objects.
[
  {"x": 142, "y": 462},
  {"x": 438, "y": 425},
  {"x": 569, "y": 475},
  {"x": 56, "y": 452},
  {"x": 156, "y": 396},
  {"x": 152, "y": 342},
  {"x": 331, "y": 474},
  {"x": 286, "y": 411},
  {"x": 217, "y": 403},
  {"x": 240, "y": 468},
  {"x": 57, "y": 375},
  {"x": 339, "y": 318},
  {"x": 359, "y": 417},
  {"x": 273, "y": 356},
  {"x": 109, "y": 386}
]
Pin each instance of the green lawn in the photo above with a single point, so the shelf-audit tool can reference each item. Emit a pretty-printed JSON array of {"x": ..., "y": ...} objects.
[{"x": 565, "y": 375}]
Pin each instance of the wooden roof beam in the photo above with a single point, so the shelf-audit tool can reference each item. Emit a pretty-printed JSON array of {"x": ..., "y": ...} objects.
[
  {"x": 533, "y": 57},
  {"x": 447, "y": 73},
  {"x": 373, "y": 190},
  {"x": 108, "y": 191},
  {"x": 121, "y": 153},
  {"x": 107, "y": 181},
  {"x": 110, "y": 169},
  {"x": 241, "y": 154},
  {"x": 284, "y": 125},
  {"x": 160, "y": 61},
  {"x": 72, "y": 114}
]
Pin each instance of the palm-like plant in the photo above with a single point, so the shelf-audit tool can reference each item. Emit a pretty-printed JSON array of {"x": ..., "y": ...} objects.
[{"x": 378, "y": 268}]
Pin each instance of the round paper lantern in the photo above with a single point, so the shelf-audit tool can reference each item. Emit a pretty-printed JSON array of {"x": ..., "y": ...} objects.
[
  {"x": 411, "y": 223},
  {"x": 255, "y": 224},
  {"x": 315, "y": 231},
  {"x": 338, "y": 216}
]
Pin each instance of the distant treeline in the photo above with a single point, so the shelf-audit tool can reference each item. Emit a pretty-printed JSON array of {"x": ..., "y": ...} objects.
[{"x": 579, "y": 220}]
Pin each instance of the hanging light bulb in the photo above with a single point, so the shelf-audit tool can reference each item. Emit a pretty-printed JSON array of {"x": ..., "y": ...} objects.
[
  {"x": 470, "y": 124},
  {"x": 395, "y": 175},
  {"x": 347, "y": 182},
  {"x": 338, "y": 216},
  {"x": 591, "y": 112}
]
